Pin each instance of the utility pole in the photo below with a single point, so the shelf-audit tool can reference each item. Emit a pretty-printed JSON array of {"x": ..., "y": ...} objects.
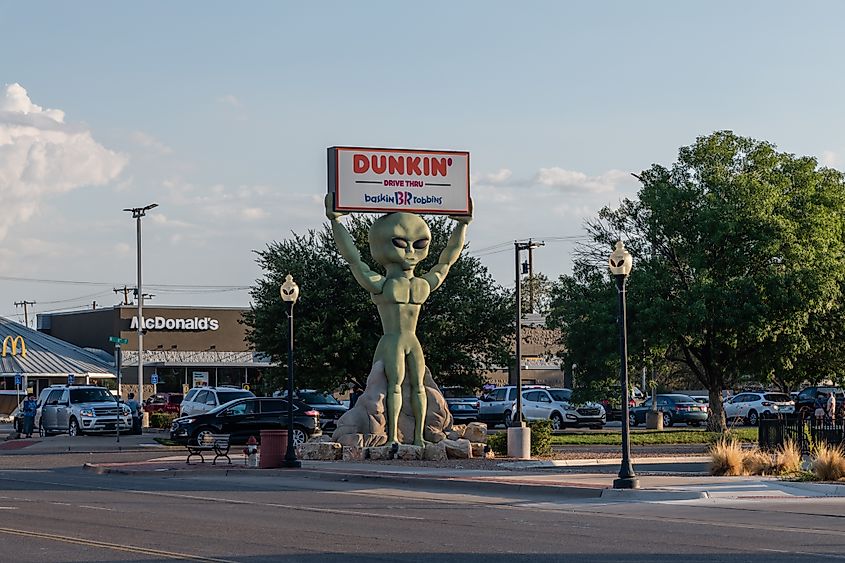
[
  {"x": 125, "y": 291},
  {"x": 531, "y": 276},
  {"x": 25, "y": 304}
]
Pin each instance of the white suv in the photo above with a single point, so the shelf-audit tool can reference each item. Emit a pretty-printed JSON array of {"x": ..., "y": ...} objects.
[
  {"x": 496, "y": 406},
  {"x": 203, "y": 399},
  {"x": 751, "y": 406},
  {"x": 556, "y": 405}
]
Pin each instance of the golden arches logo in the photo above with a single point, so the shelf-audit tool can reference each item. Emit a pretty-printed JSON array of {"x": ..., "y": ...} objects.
[{"x": 15, "y": 340}]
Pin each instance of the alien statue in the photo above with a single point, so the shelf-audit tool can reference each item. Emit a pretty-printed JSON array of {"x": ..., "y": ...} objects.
[{"x": 398, "y": 242}]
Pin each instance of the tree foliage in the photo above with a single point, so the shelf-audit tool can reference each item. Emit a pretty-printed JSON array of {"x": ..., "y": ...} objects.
[
  {"x": 737, "y": 264},
  {"x": 465, "y": 326}
]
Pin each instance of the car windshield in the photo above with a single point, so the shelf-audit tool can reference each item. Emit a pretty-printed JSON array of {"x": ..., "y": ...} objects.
[
  {"x": 226, "y": 396},
  {"x": 97, "y": 395},
  {"x": 223, "y": 406},
  {"x": 777, "y": 397},
  {"x": 317, "y": 398},
  {"x": 680, "y": 398},
  {"x": 563, "y": 395}
]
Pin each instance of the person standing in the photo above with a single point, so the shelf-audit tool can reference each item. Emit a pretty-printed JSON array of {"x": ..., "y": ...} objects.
[
  {"x": 356, "y": 394},
  {"x": 830, "y": 407},
  {"x": 135, "y": 407},
  {"x": 820, "y": 405},
  {"x": 30, "y": 407}
]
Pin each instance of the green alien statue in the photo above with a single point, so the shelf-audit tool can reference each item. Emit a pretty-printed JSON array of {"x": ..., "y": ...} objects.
[{"x": 399, "y": 241}]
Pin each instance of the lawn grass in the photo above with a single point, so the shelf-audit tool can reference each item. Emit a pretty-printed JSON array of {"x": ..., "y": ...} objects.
[
  {"x": 651, "y": 437},
  {"x": 167, "y": 442}
]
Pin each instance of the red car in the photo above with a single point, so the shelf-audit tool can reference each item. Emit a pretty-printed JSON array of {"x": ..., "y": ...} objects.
[{"x": 163, "y": 402}]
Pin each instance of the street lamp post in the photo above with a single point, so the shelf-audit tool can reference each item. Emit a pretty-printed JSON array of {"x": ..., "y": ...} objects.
[
  {"x": 137, "y": 213},
  {"x": 290, "y": 293},
  {"x": 620, "y": 266}
]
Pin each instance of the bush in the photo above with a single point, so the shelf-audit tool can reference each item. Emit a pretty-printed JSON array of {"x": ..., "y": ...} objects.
[
  {"x": 755, "y": 462},
  {"x": 498, "y": 443},
  {"x": 541, "y": 437},
  {"x": 788, "y": 458},
  {"x": 829, "y": 462},
  {"x": 726, "y": 458},
  {"x": 161, "y": 419}
]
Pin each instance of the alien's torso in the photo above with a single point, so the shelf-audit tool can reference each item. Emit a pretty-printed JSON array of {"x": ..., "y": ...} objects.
[{"x": 403, "y": 291}]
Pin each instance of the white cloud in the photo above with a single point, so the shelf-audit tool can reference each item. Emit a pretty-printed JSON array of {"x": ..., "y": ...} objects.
[
  {"x": 41, "y": 156},
  {"x": 830, "y": 158},
  {"x": 230, "y": 100},
  {"x": 253, "y": 213},
  {"x": 149, "y": 142},
  {"x": 574, "y": 181}
]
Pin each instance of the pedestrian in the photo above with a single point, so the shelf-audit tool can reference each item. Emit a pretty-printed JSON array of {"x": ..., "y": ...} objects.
[
  {"x": 356, "y": 394},
  {"x": 135, "y": 408},
  {"x": 29, "y": 409},
  {"x": 820, "y": 405},
  {"x": 830, "y": 407}
]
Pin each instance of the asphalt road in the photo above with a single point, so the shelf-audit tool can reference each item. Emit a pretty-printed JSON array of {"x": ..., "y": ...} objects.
[{"x": 57, "y": 512}]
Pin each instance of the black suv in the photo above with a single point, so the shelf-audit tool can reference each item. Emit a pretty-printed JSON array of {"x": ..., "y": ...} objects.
[
  {"x": 806, "y": 401},
  {"x": 243, "y": 418}
]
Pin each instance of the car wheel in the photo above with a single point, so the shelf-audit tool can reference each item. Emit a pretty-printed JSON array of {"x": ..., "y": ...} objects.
[
  {"x": 667, "y": 419},
  {"x": 203, "y": 434},
  {"x": 557, "y": 421},
  {"x": 299, "y": 437},
  {"x": 508, "y": 419},
  {"x": 73, "y": 428},
  {"x": 632, "y": 419},
  {"x": 753, "y": 419}
]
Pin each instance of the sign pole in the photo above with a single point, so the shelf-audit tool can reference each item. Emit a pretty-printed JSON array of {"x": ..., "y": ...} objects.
[{"x": 118, "y": 357}]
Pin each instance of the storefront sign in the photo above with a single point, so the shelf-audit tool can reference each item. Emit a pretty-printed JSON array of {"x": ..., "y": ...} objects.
[
  {"x": 14, "y": 341},
  {"x": 200, "y": 378},
  {"x": 387, "y": 180},
  {"x": 162, "y": 323}
]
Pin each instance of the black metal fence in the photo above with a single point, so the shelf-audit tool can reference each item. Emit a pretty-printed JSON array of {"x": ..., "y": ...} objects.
[{"x": 805, "y": 432}]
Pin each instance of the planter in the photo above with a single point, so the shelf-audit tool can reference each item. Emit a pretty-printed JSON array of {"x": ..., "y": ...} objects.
[{"x": 654, "y": 420}]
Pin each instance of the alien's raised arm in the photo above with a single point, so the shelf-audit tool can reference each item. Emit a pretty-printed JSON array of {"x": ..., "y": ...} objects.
[
  {"x": 449, "y": 256},
  {"x": 368, "y": 279}
]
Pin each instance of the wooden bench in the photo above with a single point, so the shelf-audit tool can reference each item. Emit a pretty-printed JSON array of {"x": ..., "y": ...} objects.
[{"x": 217, "y": 443}]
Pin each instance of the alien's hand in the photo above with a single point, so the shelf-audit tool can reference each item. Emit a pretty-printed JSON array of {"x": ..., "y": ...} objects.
[
  {"x": 330, "y": 212},
  {"x": 463, "y": 219}
]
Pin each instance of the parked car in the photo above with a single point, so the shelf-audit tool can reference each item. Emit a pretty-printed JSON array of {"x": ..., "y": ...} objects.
[
  {"x": 805, "y": 404},
  {"x": 247, "y": 417},
  {"x": 556, "y": 405},
  {"x": 613, "y": 405},
  {"x": 749, "y": 407},
  {"x": 496, "y": 406},
  {"x": 80, "y": 409},
  {"x": 675, "y": 408},
  {"x": 330, "y": 409},
  {"x": 463, "y": 404},
  {"x": 164, "y": 402},
  {"x": 702, "y": 400},
  {"x": 203, "y": 399},
  {"x": 17, "y": 414}
]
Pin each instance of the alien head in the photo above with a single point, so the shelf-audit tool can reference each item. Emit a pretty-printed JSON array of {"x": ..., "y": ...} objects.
[{"x": 399, "y": 238}]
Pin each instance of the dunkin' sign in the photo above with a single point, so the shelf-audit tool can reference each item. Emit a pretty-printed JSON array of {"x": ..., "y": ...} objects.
[{"x": 386, "y": 180}]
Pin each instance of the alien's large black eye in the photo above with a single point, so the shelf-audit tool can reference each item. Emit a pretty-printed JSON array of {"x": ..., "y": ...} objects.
[
  {"x": 400, "y": 243},
  {"x": 420, "y": 244}
]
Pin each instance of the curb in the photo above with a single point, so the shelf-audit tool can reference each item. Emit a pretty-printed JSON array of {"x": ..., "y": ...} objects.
[
  {"x": 826, "y": 489},
  {"x": 601, "y": 461},
  {"x": 651, "y": 495}
]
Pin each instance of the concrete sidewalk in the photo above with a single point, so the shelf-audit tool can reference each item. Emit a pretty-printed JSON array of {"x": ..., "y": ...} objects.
[{"x": 507, "y": 478}]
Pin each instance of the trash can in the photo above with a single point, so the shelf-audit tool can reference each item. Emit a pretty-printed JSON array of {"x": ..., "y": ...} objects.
[{"x": 273, "y": 446}]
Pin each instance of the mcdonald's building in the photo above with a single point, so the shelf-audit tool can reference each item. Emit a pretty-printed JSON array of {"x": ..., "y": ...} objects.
[
  {"x": 31, "y": 361},
  {"x": 183, "y": 346}
]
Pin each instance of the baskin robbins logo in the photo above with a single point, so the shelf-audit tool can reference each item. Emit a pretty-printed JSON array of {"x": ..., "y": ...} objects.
[
  {"x": 162, "y": 323},
  {"x": 403, "y": 198}
]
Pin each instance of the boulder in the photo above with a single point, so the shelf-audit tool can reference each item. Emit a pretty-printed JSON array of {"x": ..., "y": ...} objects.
[
  {"x": 435, "y": 452},
  {"x": 476, "y": 432},
  {"x": 456, "y": 432},
  {"x": 478, "y": 449},
  {"x": 322, "y": 451},
  {"x": 352, "y": 440},
  {"x": 379, "y": 453},
  {"x": 368, "y": 418},
  {"x": 458, "y": 449},
  {"x": 408, "y": 452},
  {"x": 351, "y": 453}
]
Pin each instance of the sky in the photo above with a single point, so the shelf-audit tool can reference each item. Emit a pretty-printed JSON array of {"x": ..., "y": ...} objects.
[{"x": 221, "y": 113}]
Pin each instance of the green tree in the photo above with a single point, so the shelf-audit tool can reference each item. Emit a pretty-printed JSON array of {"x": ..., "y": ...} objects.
[
  {"x": 465, "y": 326},
  {"x": 737, "y": 249}
]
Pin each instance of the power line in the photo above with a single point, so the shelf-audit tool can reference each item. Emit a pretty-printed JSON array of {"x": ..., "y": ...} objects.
[{"x": 25, "y": 304}]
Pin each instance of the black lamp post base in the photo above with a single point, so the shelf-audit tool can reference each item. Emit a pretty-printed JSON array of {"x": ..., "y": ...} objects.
[
  {"x": 292, "y": 463},
  {"x": 626, "y": 483}
]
